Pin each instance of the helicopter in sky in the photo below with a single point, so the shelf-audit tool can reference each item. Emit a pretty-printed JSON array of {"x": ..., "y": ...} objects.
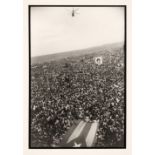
[{"x": 74, "y": 12}]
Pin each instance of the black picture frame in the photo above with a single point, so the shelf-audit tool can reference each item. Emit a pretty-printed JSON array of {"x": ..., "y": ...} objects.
[{"x": 125, "y": 77}]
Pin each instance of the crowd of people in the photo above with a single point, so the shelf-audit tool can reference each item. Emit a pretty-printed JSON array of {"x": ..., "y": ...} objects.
[{"x": 73, "y": 88}]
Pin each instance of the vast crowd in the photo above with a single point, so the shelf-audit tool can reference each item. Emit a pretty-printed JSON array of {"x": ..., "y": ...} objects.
[{"x": 74, "y": 88}]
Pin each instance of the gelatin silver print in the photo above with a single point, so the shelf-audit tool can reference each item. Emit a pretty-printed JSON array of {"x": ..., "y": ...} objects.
[{"x": 77, "y": 76}]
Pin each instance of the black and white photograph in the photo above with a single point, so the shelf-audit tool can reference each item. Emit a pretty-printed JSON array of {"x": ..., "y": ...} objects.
[{"x": 77, "y": 76}]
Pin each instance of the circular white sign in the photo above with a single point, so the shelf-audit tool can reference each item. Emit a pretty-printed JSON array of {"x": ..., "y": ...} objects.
[{"x": 98, "y": 60}]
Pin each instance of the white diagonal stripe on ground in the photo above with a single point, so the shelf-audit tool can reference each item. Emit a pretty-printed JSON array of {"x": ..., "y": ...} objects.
[
  {"x": 77, "y": 131},
  {"x": 91, "y": 135}
]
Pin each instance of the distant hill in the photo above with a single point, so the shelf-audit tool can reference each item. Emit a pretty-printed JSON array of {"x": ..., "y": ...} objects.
[{"x": 58, "y": 56}]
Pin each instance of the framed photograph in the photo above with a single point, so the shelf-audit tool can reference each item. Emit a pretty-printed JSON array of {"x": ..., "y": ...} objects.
[{"x": 76, "y": 96}]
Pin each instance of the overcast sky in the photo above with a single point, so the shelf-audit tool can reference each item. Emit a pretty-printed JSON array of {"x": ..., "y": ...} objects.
[{"x": 54, "y": 30}]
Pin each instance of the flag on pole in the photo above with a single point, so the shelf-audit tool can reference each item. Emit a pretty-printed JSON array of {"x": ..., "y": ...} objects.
[{"x": 81, "y": 134}]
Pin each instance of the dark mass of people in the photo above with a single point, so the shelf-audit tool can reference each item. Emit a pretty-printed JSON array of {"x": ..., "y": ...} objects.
[{"x": 74, "y": 88}]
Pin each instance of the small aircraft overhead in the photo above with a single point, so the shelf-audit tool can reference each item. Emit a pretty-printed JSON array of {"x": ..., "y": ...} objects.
[{"x": 74, "y": 12}]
